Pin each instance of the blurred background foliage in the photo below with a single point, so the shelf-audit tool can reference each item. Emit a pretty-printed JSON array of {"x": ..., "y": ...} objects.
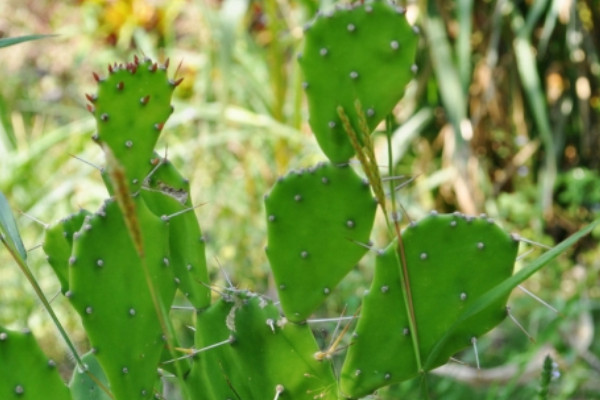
[{"x": 502, "y": 117}]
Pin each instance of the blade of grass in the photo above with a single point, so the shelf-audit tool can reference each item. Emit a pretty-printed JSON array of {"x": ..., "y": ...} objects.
[
  {"x": 9, "y": 234},
  {"x": 11, "y": 239},
  {"x": 463, "y": 43},
  {"x": 5, "y": 42},
  {"x": 530, "y": 79},
  {"x": 509, "y": 284}
]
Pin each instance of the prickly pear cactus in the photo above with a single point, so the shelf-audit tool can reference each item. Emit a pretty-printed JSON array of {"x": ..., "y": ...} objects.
[
  {"x": 109, "y": 289},
  {"x": 131, "y": 107},
  {"x": 26, "y": 372},
  {"x": 452, "y": 260},
  {"x": 263, "y": 357},
  {"x": 317, "y": 220},
  {"x": 83, "y": 387},
  {"x": 58, "y": 244},
  {"x": 359, "y": 52}
]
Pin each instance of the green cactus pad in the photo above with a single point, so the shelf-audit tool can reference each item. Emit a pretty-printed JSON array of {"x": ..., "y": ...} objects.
[
  {"x": 58, "y": 244},
  {"x": 316, "y": 220},
  {"x": 26, "y": 373},
  {"x": 131, "y": 108},
  {"x": 82, "y": 386},
  {"x": 186, "y": 246},
  {"x": 452, "y": 261},
  {"x": 110, "y": 291},
  {"x": 361, "y": 52},
  {"x": 266, "y": 354}
]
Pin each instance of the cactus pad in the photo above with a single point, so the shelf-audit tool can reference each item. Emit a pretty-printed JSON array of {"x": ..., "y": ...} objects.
[
  {"x": 110, "y": 291},
  {"x": 316, "y": 220},
  {"x": 266, "y": 354},
  {"x": 26, "y": 372},
  {"x": 167, "y": 195},
  {"x": 360, "y": 52},
  {"x": 452, "y": 261},
  {"x": 131, "y": 108}
]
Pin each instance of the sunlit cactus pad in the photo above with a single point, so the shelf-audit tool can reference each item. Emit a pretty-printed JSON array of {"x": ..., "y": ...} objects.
[
  {"x": 361, "y": 52},
  {"x": 26, "y": 372},
  {"x": 452, "y": 261},
  {"x": 263, "y": 354},
  {"x": 319, "y": 221},
  {"x": 131, "y": 107}
]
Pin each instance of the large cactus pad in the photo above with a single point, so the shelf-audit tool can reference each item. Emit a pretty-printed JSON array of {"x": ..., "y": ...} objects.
[
  {"x": 110, "y": 289},
  {"x": 317, "y": 220},
  {"x": 451, "y": 261},
  {"x": 360, "y": 52}
]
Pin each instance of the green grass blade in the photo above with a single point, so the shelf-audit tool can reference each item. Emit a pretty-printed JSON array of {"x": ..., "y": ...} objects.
[
  {"x": 509, "y": 284},
  {"x": 12, "y": 240},
  {"x": 528, "y": 73},
  {"x": 463, "y": 43},
  {"x": 9, "y": 234},
  {"x": 5, "y": 42}
]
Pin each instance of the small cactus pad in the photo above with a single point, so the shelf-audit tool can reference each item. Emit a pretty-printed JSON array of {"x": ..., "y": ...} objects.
[
  {"x": 58, "y": 244},
  {"x": 110, "y": 291},
  {"x": 265, "y": 356},
  {"x": 131, "y": 108},
  {"x": 359, "y": 52},
  {"x": 25, "y": 372},
  {"x": 317, "y": 220},
  {"x": 186, "y": 243},
  {"x": 82, "y": 386},
  {"x": 452, "y": 261}
]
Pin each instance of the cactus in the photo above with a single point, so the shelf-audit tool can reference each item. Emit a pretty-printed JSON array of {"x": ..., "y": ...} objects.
[
  {"x": 261, "y": 355},
  {"x": 26, "y": 372},
  {"x": 131, "y": 107},
  {"x": 83, "y": 387},
  {"x": 452, "y": 261},
  {"x": 361, "y": 52},
  {"x": 317, "y": 220},
  {"x": 443, "y": 282},
  {"x": 108, "y": 287}
]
